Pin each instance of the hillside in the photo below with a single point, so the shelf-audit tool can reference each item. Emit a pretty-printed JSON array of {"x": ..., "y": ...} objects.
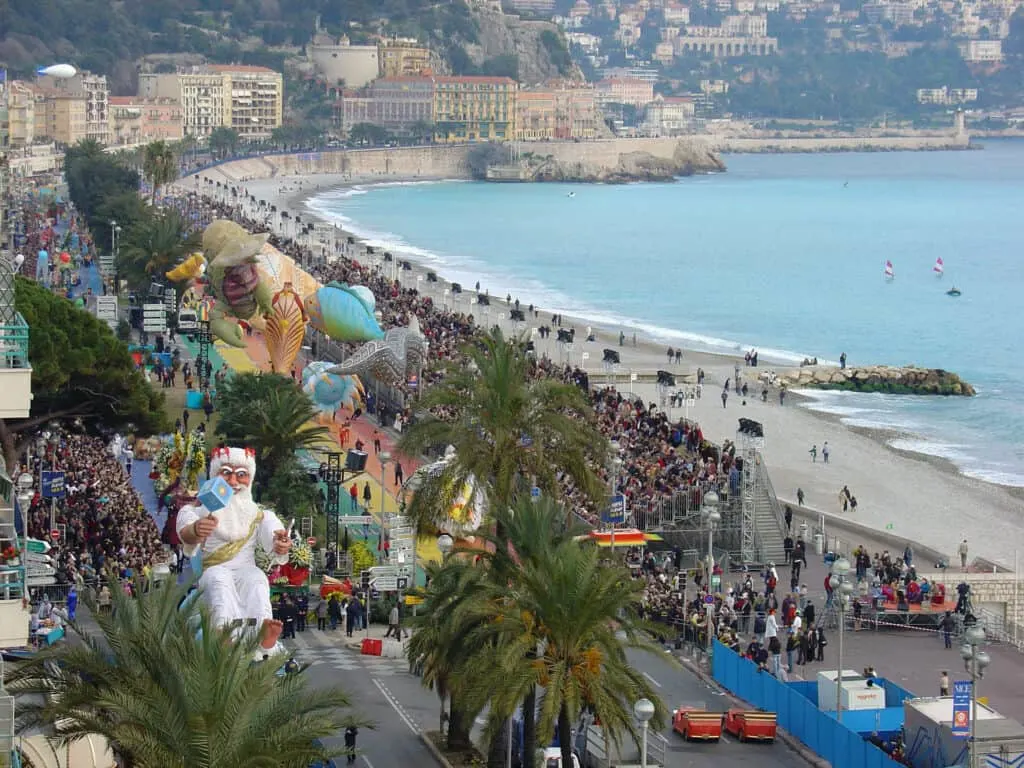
[{"x": 108, "y": 36}]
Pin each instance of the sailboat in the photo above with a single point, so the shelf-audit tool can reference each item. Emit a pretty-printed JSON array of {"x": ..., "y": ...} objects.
[
  {"x": 890, "y": 274},
  {"x": 938, "y": 269}
]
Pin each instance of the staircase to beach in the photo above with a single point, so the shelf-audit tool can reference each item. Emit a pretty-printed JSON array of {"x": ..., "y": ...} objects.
[{"x": 769, "y": 522}]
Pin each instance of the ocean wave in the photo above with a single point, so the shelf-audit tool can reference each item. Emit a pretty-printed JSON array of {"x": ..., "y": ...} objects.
[
  {"x": 994, "y": 476},
  {"x": 952, "y": 451}
]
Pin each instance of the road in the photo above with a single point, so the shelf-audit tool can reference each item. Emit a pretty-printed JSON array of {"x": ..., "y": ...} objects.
[{"x": 385, "y": 692}]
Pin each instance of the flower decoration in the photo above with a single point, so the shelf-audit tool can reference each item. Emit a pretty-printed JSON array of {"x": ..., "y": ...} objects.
[
  {"x": 9, "y": 553},
  {"x": 301, "y": 555}
]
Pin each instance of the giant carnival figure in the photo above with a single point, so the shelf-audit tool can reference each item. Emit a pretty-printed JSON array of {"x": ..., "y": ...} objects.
[{"x": 225, "y": 528}]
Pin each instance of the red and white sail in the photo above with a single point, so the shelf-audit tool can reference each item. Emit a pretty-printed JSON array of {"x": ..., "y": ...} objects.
[
  {"x": 890, "y": 273},
  {"x": 939, "y": 268}
]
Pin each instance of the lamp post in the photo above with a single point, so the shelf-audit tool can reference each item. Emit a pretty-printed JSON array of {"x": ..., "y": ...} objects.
[
  {"x": 115, "y": 233},
  {"x": 445, "y": 544},
  {"x": 384, "y": 457},
  {"x": 975, "y": 662},
  {"x": 841, "y": 591},
  {"x": 333, "y": 475},
  {"x": 712, "y": 516},
  {"x": 616, "y": 467},
  {"x": 643, "y": 711}
]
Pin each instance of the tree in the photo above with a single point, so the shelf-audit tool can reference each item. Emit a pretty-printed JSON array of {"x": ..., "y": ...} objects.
[
  {"x": 167, "y": 697},
  {"x": 96, "y": 177},
  {"x": 508, "y": 430},
  {"x": 79, "y": 369},
  {"x": 223, "y": 142},
  {"x": 159, "y": 165},
  {"x": 154, "y": 245},
  {"x": 290, "y": 491},
  {"x": 271, "y": 414},
  {"x": 422, "y": 131},
  {"x": 539, "y": 610},
  {"x": 368, "y": 133}
]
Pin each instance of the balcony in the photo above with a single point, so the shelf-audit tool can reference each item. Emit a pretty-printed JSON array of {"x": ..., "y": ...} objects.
[{"x": 15, "y": 370}]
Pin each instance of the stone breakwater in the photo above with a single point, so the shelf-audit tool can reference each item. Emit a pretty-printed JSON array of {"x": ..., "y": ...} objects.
[
  {"x": 597, "y": 163},
  {"x": 901, "y": 380}
]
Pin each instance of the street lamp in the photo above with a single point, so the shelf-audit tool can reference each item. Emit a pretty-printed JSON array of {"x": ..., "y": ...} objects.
[
  {"x": 384, "y": 457},
  {"x": 643, "y": 711},
  {"x": 712, "y": 516},
  {"x": 844, "y": 588},
  {"x": 616, "y": 468},
  {"x": 975, "y": 662}
]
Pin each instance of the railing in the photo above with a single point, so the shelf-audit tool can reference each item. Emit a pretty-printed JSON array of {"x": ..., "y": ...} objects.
[
  {"x": 766, "y": 483},
  {"x": 14, "y": 344},
  {"x": 999, "y": 630}
]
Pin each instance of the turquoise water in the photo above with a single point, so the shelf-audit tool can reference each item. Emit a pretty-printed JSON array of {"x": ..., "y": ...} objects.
[{"x": 784, "y": 253}]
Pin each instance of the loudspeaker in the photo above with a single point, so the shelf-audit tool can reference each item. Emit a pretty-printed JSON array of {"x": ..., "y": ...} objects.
[{"x": 355, "y": 461}]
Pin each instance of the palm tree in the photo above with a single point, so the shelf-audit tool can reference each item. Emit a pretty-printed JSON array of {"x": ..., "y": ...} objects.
[
  {"x": 154, "y": 245},
  {"x": 564, "y": 625},
  {"x": 167, "y": 697},
  {"x": 276, "y": 419},
  {"x": 508, "y": 429},
  {"x": 159, "y": 165}
]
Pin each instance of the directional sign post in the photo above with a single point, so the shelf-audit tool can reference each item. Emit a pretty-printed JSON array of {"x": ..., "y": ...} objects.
[
  {"x": 616, "y": 511},
  {"x": 53, "y": 485},
  {"x": 154, "y": 318}
]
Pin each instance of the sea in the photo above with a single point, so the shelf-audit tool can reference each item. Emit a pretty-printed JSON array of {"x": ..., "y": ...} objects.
[{"x": 782, "y": 253}]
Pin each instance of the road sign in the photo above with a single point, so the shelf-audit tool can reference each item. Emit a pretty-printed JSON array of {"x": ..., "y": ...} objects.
[
  {"x": 413, "y": 600},
  {"x": 961, "y": 727},
  {"x": 356, "y": 519},
  {"x": 55, "y": 534},
  {"x": 535, "y": 493},
  {"x": 616, "y": 511},
  {"x": 106, "y": 309},
  {"x": 311, "y": 541},
  {"x": 384, "y": 583},
  {"x": 154, "y": 318},
  {"x": 709, "y": 599},
  {"x": 385, "y": 571},
  {"x": 171, "y": 299},
  {"x": 53, "y": 485}
]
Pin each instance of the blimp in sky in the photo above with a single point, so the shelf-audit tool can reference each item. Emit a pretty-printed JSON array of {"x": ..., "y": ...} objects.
[{"x": 63, "y": 71}]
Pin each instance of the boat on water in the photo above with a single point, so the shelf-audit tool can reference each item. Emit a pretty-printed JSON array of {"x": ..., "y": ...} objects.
[
  {"x": 890, "y": 273},
  {"x": 954, "y": 291},
  {"x": 939, "y": 267}
]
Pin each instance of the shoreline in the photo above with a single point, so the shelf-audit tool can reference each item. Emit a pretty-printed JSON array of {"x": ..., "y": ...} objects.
[{"x": 950, "y": 487}]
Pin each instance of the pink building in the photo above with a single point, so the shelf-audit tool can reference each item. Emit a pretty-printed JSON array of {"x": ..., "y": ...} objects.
[
  {"x": 136, "y": 120},
  {"x": 625, "y": 91}
]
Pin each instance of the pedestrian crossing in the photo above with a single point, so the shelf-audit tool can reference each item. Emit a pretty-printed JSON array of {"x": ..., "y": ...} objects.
[{"x": 315, "y": 648}]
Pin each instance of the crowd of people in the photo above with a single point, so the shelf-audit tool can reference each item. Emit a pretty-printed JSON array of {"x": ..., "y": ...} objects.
[{"x": 103, "y": 524}]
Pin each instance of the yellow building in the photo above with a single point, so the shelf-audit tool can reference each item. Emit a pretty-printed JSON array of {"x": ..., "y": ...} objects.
[
  {"x": 470, "y": 109},
  {"x": 60, "y": 116},
  {"x": 402, "y": 58},
  {"x": 249, "y": 100},
  {"x": 93, "y": 88},
  {"x": 21, "y": 114}
]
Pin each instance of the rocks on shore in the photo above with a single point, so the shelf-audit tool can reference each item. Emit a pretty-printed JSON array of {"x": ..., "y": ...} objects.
[
  {"x": 896, "y": 380},
  {"x": 687, "y": 159}
]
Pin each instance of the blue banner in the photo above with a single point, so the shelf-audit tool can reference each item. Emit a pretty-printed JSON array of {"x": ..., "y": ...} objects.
[
  {"x": 961, "y": 709},
  {"x": 53, "y": 485},
  {"x": 616, "y": 511}
]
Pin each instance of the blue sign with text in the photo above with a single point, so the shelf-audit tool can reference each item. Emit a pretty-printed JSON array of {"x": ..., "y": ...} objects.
[
  {"x": 616, "y": 511},
  {"x": 961, "y": 709},
  {"x": 53, "y": 485}
]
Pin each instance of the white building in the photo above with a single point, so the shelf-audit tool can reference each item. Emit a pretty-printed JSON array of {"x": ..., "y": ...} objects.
[{"x": 982, "y": 51}]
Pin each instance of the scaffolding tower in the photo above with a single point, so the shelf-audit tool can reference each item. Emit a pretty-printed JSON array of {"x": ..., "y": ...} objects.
[{"x": 749, "y": 446}]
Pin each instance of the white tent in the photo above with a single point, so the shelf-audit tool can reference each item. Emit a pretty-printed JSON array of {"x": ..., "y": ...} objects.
[{"x": 90, "y": 752}]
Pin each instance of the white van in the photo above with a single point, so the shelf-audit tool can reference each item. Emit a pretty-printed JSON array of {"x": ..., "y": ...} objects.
[{"x": 188, "y": 321}]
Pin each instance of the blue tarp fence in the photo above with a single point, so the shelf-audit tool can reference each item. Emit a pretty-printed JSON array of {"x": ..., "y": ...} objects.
[{"x": 797, "y": 712}]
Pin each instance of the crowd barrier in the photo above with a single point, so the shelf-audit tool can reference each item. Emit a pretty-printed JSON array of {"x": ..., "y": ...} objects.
[{"x": 797, "y": 713}]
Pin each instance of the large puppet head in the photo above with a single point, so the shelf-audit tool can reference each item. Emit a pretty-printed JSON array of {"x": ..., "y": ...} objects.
[{"x": 237, "y": 467}]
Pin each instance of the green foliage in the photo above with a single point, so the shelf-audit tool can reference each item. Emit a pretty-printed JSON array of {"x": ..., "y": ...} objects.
[
  {"x": 506, "y": 65},
  {"x": 290, "y": 491},
  {"x": 94, "y": 178},
  {"x": 223, "y": 142},
  {"x": 369, "y": 134},
  {"x": 496, "y": 407},
  {"x": 271, "y": 414},
  {"x": 153, "y": 245},
  {"x": 79, "y": 368},
  {"x": 167, "y": 698},
  {"x": 159, "y": 165},
  {"x": 557, "y": 50},
  {"x": 362, "y": 557},
  {"x": 539, "y": 613}
]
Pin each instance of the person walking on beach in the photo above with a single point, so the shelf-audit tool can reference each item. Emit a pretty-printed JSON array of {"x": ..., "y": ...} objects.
[
  {"x": 814, "y": 454},
  {"x": 962, "y": 551},
  {"x": 824, "y": 452}
]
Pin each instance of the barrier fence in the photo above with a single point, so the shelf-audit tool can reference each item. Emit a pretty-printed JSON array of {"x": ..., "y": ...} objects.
[{"x": 799, "y": 715}]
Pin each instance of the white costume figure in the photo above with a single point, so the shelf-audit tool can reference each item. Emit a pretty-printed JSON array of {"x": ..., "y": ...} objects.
[{"x": 234, "y": 589}]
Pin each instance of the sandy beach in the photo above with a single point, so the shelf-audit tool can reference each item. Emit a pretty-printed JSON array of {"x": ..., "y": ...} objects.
[{"x": 902, "y": 496}]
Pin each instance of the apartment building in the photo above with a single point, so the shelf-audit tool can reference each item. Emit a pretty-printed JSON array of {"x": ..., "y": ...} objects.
[
  {"x": 21, "y": 114},
  {"x": 669, "y": 116},
  {"x": 982, "y": 51},
  {"x": 402, "y": 57},
  {"x": 134, "y": 120},
  {"x": 535, "y": 115},
  {"x": 249, "y": 100},
  {"x": 60, "y": 115},
  {"x": 394, "y": 103},
  {"x": 474, "y": 109},
  {"x": 625, "y": 91},
  {"x": 93, "y": 88}
]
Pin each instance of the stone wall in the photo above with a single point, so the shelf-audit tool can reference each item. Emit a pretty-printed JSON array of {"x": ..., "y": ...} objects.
[
  {"x": 842, "y": 144},
  {"x": 1000, "y": 593}
]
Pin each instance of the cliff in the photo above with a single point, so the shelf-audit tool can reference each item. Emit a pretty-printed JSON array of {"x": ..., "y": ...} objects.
[
  {"x": 904, "y": 380},
  {"x": 538, "y": 47}
]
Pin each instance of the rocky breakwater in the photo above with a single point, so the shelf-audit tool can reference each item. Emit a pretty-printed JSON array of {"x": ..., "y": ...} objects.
[
  {"x": 895, "y": 380},
  {"x": 604, "y": 165}
]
